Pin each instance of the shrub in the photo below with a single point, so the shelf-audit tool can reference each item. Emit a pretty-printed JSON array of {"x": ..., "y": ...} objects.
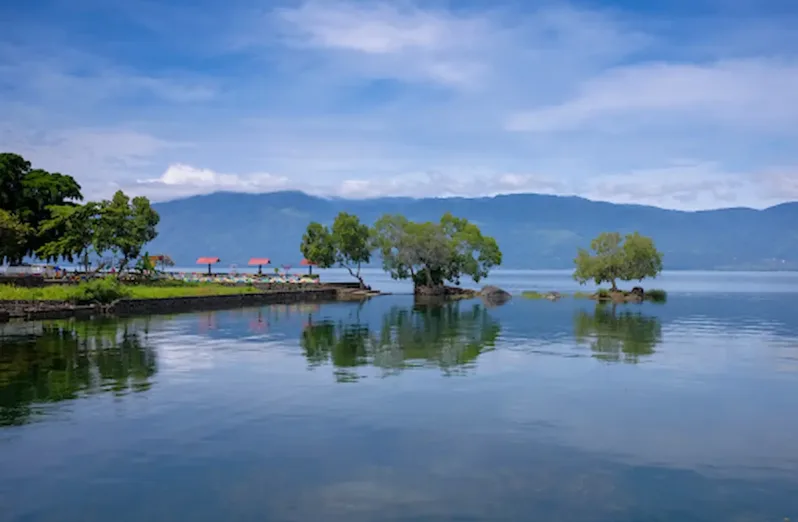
[
  {"x": 103, "y": 291},
  {"x": 532, "y": 295},
  {"x": 657, "y": 296},
  {"x": 603, "y": 294}
]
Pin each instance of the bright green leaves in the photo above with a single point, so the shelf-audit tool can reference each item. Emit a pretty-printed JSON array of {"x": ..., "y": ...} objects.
[
  {"x": 347, "y": 245},
  {"x": 633, "y": 257}
]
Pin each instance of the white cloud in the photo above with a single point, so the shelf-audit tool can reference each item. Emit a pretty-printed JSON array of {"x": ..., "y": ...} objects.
[
  {"x": 366, "y": 97},
  {"x": 184, "y": 180},
  {"x": 744, "y": 92}
]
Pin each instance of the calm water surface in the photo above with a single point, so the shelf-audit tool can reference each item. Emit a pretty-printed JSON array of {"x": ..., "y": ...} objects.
[{"x": 686, "y": 411}]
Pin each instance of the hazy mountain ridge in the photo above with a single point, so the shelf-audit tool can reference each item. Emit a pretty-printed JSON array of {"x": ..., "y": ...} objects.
[{"x": 533, "y": 230}]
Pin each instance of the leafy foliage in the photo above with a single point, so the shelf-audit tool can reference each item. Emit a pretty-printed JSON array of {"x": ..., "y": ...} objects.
[
  {"x": 41, "y": 216},
  {"x": 13, "y": 235},
  {"x": 104, "y": 291},
  {"x": 347, "y": 245},
  {"x": 125, "y": 226},
  {"x": 28, "y": 195},
  {"x": 78, "y": 227},
  {"x": 633, "y": 257},
  {"x": 433, "y": 253}
]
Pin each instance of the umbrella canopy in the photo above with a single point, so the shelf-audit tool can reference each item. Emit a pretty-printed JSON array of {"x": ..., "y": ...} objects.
[
  {"x": 208, "y": 261},
  {"x": 257, "y": 261},
  {"x": 309, "y": 264}
]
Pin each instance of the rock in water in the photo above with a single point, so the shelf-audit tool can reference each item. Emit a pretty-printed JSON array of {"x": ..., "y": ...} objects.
[{"x": 495, "y": 295}]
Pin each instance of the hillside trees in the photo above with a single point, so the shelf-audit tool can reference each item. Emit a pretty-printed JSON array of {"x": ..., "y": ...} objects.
[{"x": 628, "y": 258}]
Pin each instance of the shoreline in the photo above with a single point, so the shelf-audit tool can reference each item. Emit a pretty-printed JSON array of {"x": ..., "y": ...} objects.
[{"x": 31, "y": 310}]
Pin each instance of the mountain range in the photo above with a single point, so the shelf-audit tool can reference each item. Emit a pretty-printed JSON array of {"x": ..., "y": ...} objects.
[{"x": 534, "y": 231}]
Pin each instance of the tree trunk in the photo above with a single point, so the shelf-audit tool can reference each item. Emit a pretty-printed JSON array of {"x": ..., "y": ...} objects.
[
  {"x": 356, "y": 275},
  {"x": 614, "y": 287}
]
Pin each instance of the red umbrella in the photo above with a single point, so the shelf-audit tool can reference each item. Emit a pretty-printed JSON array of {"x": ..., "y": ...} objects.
[
  {"x": 259, "y": 262},
  {"x": 309, "y": 264},
  {"x": 208, "y": 261}
]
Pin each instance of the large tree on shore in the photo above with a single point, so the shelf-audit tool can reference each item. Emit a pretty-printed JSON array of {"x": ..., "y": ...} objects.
[
  {"x": 125, "y": 226},
  {"x": 633, "y": 257},
  {"x": 347, "y": 244},
  {"x": 432, "y": 254},
  {"x": 28, "y": 195}
]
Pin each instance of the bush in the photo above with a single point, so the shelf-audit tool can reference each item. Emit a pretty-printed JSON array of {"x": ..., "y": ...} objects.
[
  {"x": 657, "y": 296},
  {"x": 603, "y": 294},
  {"x": 532, "y": 295},
  {"x": 103, "y": 291}
]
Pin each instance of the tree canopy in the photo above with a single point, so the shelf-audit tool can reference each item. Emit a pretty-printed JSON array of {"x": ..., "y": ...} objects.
[
  {"x": 27, "y": 195},
  {"x": 432, "y": 254},
  {"x": 633, "y": 257},
  {"x": 347, "y": 244},
  {"x": 41, "y": 215}
]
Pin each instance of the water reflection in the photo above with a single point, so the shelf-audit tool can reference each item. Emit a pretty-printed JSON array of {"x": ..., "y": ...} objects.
[
  {"x": 450, "y": 336},
  {"x": 64, "y": 360},
  {"x": 617, "y": 335}
]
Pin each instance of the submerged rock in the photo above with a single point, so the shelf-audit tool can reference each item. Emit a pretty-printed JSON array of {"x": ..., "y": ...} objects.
[{"x": 495, "y": 295}]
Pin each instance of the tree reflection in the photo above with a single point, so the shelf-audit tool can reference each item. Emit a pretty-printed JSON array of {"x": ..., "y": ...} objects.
[
  {"x": 617, "y": 336},
  {"x": 65, "y": 360},
  {"x": 447, "y": 336}
]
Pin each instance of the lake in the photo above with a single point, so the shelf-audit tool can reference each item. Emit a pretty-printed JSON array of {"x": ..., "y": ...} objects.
[{"x": 390, "y": 411}]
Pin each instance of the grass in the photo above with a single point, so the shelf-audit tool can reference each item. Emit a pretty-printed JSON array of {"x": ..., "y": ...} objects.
[
  {"x": 582, "y": 295},
  {"x": 108, "y": 290}
]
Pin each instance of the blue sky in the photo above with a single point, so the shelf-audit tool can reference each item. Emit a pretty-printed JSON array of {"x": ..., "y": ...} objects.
[{"x": 681, "y": 104}]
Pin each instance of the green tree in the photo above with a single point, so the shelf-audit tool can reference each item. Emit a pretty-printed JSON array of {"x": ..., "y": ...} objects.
[
  {"x": 432, "y": 254},
  {"x": 125, "y": 226},
  {"x": 633, "y": 257},
  {"x": 13, "y": 235},
  {"x": 78, "y": 226},
  {"x": 347, "y": 245},
  {"x": 29, "y": 194}
]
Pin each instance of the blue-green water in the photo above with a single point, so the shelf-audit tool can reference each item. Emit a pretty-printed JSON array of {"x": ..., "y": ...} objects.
[{"x": 686, "y": 411}]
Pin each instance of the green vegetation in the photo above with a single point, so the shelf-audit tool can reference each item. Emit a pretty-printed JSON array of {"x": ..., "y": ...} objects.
[
  {"x": 633, "y": 257},
  {"x": 347, "y": 245},
  {"x": 40, "y": 215},
  {"x": 656, "y": 295},
  {"x": 533, "y": 295},
  {"x": 582, "y": 295},
  {"x": 431, "y": 254},
  {"x": 109, "y": 289}
]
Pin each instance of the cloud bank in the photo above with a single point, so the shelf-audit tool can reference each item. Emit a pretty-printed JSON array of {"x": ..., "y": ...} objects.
[{"x": 367, "y": 98}]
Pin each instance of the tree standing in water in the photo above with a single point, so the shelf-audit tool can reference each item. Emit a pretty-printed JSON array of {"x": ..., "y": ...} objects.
[{"x": 633, "y": 257}]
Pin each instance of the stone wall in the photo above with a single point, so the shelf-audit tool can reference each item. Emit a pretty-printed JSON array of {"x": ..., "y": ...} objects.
[
  {"x": 217, "y": 302},
  {"x": 62, "y": 309}
]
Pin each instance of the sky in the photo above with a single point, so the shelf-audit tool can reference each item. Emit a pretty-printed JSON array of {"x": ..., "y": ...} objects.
[{"x": 686, "y": 104}]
